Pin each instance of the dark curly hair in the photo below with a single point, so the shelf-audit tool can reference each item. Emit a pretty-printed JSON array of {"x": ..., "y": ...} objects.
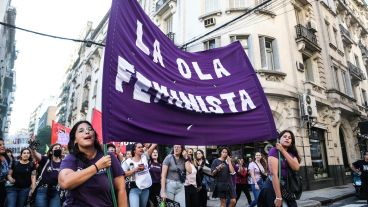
[
  {"x": 74, "y": 149},
  {"x": 49, "y": 152},
  {"x": 292, "y": 149},
  {"x": 134, "y": 147}
]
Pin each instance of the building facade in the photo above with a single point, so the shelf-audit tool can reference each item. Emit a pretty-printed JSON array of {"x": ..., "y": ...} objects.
[
  {"x": 42, "y": 116},
  {"x": 17, "y": 142},
  {"x": 310, "y": 57},
  {"x": 7, "y": 59}
]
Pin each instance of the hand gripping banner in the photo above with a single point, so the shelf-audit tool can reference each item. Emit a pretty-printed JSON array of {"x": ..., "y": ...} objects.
[{"x": 154, "y": 92}]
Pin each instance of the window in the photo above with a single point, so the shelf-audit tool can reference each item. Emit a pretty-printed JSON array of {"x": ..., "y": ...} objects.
[
  {"x": 328, "y": 31},
  {"x": 336, "y": 78},
  {"x": 243, "y": 39},
  {"x": 308, "y": 65},
  {"x": 364, "y": 98},
  {"x": 344, "y": 152},
  {"x": 237, "y": 3},
  {"x": 212, "y": 43},
  {"x": 318, "y": 153},
  {"x": 211, "y": 6},
  {"x": 336, "y": 36},
  {"x": 269, "y": 53},
  {"x": 347, "y": 84},
  {"x": 169, "y": 24}
]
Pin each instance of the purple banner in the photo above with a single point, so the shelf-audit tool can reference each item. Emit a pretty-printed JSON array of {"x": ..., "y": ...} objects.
[{"x": 154, "y": 92}]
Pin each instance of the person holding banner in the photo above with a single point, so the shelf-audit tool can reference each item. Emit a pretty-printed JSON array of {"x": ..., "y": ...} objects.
[
  {"x": 286, "y": 155},
  {"x": 84, "y": 171},
  {"x": 138, "y": 168},
  {"x": 47, "y": 191},
  {"x": 173, "y": 176},
  {"x": 222, "y": 169}
]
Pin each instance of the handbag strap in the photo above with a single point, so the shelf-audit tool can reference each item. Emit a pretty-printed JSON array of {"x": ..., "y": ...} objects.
[
  {"x": 260, "y": 171},
  {"x": 43, "y": 169}
]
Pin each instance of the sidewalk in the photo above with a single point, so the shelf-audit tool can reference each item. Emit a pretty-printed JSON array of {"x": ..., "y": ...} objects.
[{"x": 313, "y": 198}]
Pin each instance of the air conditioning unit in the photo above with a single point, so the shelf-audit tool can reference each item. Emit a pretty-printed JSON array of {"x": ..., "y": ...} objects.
[
  {"x": 300, "y": 66},
  {"x": 309, "y": 106},
  {"x": 311, "y": 25},
  {"x": 209, "y": 22}
]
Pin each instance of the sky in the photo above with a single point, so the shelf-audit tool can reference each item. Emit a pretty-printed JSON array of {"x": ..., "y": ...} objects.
[{"x": 43, "y": 61}]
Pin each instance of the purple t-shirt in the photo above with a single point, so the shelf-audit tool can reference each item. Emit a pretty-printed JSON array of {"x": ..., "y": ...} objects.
[
  {"x": 155, "y": 170},
  {"x": 95, "y": 192},
  {"x": 51, "y": 172},
  {"x": 274, "y": 153}
]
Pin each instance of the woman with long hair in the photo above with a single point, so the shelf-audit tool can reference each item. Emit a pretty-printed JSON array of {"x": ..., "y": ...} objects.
[
  {"x": 47, "y": 193},
  {"x": 155, "y": 168},
  {"x": 138, "y": 168},
  {"x": 200, "y": 163},
  {"x": 222, "y": 169},
  {"x": 84, "y": 171},
  {"x": 290, "y": 158},
  {"x": 257, "y": 170},
  {"x": 23, "y": 177},
  {"x": 241, "y": 180},
  {"x": 172, "y": 176},
  {"x": 4, "y": 169}
]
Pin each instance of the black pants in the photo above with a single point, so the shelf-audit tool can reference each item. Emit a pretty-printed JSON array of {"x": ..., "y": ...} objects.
[
  {"x": 191, "y": 196},
  {"x": 154, "y": 191},
  {"x": 243, "y": 188},
  {"x": 202, "y": 197},
  {"x": 2, "y": 193}
]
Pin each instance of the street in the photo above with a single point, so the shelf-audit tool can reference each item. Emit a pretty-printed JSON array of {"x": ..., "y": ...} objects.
[{"x": 349, "y": 202}]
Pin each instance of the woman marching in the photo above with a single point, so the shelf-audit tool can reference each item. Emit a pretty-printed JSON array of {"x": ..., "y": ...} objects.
[
  {"x": 258, "y": 173},
  {"x": 137, "y": 167},
  {"x": 199, "y": 163},
  {"x": 173, "y": 176},
  {"x": 47, "y": 193},
  {"x": 23, "y": 177},
  {"x": 84, "y": 171},
  {"x": 242, "y": 180},
  {"x": 289, "y": 158},
  {"x": 155, "y": 168},
  {"x": 222, "y": 169}
]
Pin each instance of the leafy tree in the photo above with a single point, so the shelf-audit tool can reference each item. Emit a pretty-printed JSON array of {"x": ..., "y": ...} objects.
[{"x": 44, "y": 137}]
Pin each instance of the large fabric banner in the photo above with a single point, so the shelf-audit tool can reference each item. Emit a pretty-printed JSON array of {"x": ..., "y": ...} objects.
[
  {"x": 59, "y": 133},
  {"x": 154, "y": 92}
]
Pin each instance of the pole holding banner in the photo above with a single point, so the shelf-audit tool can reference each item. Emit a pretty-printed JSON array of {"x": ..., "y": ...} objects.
[{"x": 110, "y": 179}]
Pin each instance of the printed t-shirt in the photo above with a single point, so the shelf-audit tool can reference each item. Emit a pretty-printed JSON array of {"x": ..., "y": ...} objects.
[
  {"x": 95, "y": 192},
  {"x": 254, "y": 168},
  {"x": 51, "y": 172},
  {"x": 142, "y": 178},
  {"x": 155, "y": 171}
]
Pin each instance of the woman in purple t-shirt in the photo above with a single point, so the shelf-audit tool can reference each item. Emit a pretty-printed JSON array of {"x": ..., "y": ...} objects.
[
  {"x": 47, "y": 172},
  {"x": 84, "y": 171},
  {"x": 290, "y": 158}
]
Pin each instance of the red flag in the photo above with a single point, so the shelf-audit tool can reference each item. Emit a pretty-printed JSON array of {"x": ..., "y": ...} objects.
[
  {"x": 59, "y": 133},
  {"x": 97, "y": 123}
]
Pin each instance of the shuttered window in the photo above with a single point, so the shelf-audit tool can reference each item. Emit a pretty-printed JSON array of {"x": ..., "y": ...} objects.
[
  {"x": 269, "y": 53},
  {"x": 211, "y": 5}
]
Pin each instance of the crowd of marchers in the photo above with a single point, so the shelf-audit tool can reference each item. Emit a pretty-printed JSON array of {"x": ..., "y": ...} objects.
[{"x": 78, "y": 175}]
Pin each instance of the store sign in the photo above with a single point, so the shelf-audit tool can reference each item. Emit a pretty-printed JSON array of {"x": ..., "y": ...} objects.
[{"x": 154, "y": 92}]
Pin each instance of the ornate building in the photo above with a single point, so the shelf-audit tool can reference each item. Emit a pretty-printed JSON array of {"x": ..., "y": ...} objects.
[{"x": 310, "y": 56}]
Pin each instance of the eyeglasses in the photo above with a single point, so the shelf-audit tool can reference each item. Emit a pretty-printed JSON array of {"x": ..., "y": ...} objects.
[{"x": 88, "y": 129}]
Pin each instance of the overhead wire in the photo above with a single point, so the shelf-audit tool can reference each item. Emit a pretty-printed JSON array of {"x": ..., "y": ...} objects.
[{"x": 88, "y": 42}]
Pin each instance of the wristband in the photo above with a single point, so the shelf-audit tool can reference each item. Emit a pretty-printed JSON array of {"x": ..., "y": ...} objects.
[
  {"x": 280, "y": 199},
  {"x": 96, "y": 168}
]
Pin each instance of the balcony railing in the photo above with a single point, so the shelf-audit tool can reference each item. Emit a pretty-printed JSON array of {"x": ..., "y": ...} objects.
[
  {"x": 171, "y": 36},
  {"x": 306, "y": 35},
  {"x": 160, "y": 3},
  {"x": 356, "y": 73},
  {"x": 346, "y": 37}
]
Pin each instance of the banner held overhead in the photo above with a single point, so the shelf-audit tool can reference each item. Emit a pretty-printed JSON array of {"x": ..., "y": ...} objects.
[{"x": 154, "y": 92}]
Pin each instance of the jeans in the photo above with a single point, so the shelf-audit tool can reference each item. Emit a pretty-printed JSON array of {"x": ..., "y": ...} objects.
[
  {"x": 175, "y": 191},
  {"x": 138, "y": 197},
  {"x": 256, "y": 192},
  {"x": 47, "y": 200},
  {"x": 16, "y": 197}
]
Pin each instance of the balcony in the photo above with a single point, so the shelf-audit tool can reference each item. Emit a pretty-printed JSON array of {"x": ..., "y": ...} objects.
[
  {"x": 162, "y": 6},
  {"x": 346, "y": 37},
  {"x": 364, "y": 50},
  {"x": 355, "y": 73},
  {"x": 171, "y": 36},
  {"x": 306, "y": 37}
]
